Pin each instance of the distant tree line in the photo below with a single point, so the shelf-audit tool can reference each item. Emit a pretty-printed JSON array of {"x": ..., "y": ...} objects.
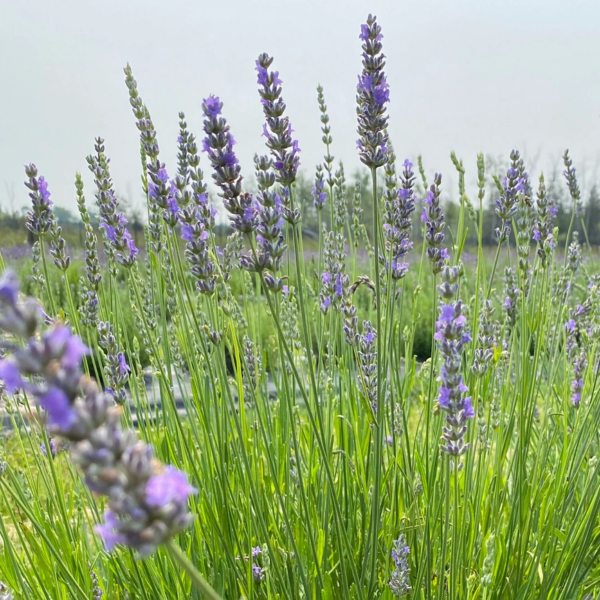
[{"x": 13, "y": 231}]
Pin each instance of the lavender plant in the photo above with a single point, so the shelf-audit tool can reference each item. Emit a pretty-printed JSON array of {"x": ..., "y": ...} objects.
[{"x": 269, "y": 419}]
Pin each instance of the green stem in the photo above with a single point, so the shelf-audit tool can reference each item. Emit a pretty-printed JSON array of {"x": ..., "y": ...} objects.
[
  {"x": 186, "y": 564},
  {"x": 378, "y": 450}
]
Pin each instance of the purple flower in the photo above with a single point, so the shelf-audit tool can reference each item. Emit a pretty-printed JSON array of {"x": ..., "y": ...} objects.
[
  {"x": 52, "y": 444},
  {"x": 169, "y": 486},
  {"x": 373, "y": 95},
  {"x": 187, "y": 232},
  {"x": 213, "y": 106},
  {"x": 56, "y": 403},
  {"x": 9, "y": 290},
  {"x": 277, "y": 128},
  {"x": 10, "y": 376},
  {"x": 107, "y": 531},
  {"x": 123, "y": 366}
]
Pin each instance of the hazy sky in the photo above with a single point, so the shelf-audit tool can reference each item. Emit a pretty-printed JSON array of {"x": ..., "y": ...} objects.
[{"x": 468, "y": 75}]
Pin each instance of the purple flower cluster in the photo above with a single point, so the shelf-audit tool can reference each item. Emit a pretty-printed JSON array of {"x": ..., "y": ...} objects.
[
  {"x": 116, "y": 369},
  {"x": 162, "y": 192},
  {"x": 318, "y": 191},
  {"x": 367, "y": 359},
  {"x": 277, "y": 129},
  {"x": 197, "y": 252},
  {"x": 506, "y": 205},
  {"x": 450, "y": 337},
  {"x": 335, "y": 281},
  {"x": 576, "y": 347},
  {"x": 397, "y": 221},
  {"x": 118, "y": 240},
  {"x": 372, "y": 95},
  {"x": 40, "y": 218},
  {"x": 269, "y": 232},
  {"x": 218, "y": 144},
  {"x": 433, "y": 217},
  {"x": 400, "y": 581},
  {"x": 147, "y": 502}
]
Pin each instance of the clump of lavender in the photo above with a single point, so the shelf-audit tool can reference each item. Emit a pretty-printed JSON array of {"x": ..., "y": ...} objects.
[
  {"x": 543, "y": 228},
  {"x": 397, "y": 223},
  {"x": 372, "y": 96},
  {"x": 118, "y": 240},
  {"x": 506, "y": 205},
  {"x": 40, "y": 218},
  {"x": 278, "y": 130},
  {"x": 400, "y": 580},
  {"x": 574, "y": 191},
  {"x": 367, "y": 358},
  {"x": 433, "y": 217},
  {"x": 147, "y": 502},
  {"x": 116, "y": 369},
  {"x": 218, "y": 144},
  {"x": 450, "y": 337}
]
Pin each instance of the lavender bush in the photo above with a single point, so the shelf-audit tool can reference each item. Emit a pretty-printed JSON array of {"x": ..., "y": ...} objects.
[{"x": 289, "y": 444}]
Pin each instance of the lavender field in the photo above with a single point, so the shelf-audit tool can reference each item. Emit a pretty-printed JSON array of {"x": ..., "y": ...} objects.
[{"x": 284, "y": 384}]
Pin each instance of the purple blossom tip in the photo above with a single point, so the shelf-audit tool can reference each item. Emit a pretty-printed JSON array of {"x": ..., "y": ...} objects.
[
  {"x": 212, "y": 106},
  {"x": 170, "y": 486}
]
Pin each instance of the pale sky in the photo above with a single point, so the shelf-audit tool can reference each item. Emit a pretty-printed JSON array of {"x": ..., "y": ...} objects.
[{"x": 464, "y": 75}]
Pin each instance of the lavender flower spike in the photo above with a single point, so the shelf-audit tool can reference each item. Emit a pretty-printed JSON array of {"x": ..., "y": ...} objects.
[
  {"x": 40, "y": 218},
  {"x": 278, "y": 129},
  {"x": 433, "y": 217},
  {"x": 372, "y": 95},
  {"x": 147, "y": 502},
  {"x": 399, "y": 583},
  {"x": 218, "y": 144},
  {"x": 450, "y": 338}
]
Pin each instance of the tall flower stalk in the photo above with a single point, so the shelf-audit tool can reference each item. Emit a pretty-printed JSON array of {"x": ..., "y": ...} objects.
[{"x": 373, "y": 95}]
